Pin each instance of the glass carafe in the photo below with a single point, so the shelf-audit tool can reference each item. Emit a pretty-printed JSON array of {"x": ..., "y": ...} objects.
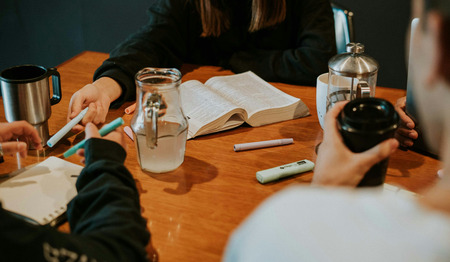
[{"x": 159, "y": 125}]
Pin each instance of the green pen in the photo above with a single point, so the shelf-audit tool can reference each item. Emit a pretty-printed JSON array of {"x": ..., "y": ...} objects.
[
  {"x": 275, "y": 173},
  {"x": 108, "y": 128}
]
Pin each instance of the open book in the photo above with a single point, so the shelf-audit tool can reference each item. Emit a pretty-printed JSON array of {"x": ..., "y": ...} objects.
[
  {"x": 40, "y": 193},
  {"x": 225, "y": 102}
]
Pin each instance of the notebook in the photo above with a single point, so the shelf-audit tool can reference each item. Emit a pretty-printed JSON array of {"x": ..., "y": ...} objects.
[
  {"x": 398, "y": 191},
  {"x": 40, "y": 193}
]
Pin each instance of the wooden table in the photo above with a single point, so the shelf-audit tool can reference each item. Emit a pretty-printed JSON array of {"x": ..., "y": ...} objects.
[{"x": 192, "y": 211}]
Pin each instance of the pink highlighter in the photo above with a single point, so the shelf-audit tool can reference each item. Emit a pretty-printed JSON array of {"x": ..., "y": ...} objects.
[{"x": 129, "y": 132}]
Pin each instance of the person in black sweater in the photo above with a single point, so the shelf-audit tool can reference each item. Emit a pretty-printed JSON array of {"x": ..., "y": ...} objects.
[
  {"x": 105, "y": 219},
  {"x": 286, "y": 41}
]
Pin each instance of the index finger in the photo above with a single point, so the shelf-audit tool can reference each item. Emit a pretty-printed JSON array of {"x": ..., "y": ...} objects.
[
  {"x": 75, "y": 107},
  {"x": 88, "y": 117},
  {"x": 400, "y": 107},
  {"x": 330, "y": 118},
  {"x": 91, "y": 131},
  {"x": 23, "y": 129},
  {"x": 405, "y": 119},
  {"x": 10, "y": 148}
]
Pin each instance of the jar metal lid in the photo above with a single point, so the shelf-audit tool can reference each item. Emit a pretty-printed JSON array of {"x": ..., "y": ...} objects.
[{"x": 355, "y": 63}]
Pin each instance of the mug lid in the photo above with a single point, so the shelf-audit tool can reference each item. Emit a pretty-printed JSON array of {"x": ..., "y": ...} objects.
[{"x": 368, "y": 115}]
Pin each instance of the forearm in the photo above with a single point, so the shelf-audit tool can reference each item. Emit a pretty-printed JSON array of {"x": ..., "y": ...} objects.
[
  {"x": 158, "y": 44},
  {"x": 105, "y": 219},
  {"x": 109, "y": 87},
  {"x": 107, "y": 209},
  {"x": 299, "y": 66}
]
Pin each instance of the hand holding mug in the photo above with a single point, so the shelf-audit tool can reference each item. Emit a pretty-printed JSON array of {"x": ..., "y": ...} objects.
[
  {"x": 336, "y": 164},
  {"x": 405, "y": 133},
  {"x": 18, "y": 130}
]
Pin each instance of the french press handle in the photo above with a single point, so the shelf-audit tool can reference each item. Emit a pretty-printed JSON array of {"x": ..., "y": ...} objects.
[{"x": 362, "y": 90}]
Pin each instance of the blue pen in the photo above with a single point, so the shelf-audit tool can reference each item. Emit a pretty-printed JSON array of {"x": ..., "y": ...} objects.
[{"x": 108, "y": 128}]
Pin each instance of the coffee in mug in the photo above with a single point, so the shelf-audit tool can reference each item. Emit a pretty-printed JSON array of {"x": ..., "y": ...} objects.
[{"x": 364, "y": 123}]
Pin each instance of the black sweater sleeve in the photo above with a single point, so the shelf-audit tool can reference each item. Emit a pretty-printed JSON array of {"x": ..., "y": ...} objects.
[
  {"x": 105, "y": 219},
  {"x": 160, "y": 43},
  {"x": 295, "y": 51}
]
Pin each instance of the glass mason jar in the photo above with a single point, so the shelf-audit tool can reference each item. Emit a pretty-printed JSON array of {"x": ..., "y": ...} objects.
[{"x": 159, "y": 125}]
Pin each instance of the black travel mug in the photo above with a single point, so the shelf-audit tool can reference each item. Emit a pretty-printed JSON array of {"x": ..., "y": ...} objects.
[{"x": 364, "y": 123}]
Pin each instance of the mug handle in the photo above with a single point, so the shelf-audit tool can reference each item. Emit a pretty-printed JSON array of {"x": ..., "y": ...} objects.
[{"x": 56, "y": 81}]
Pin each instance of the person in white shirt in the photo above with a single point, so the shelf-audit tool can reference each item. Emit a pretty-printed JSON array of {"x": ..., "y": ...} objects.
[{"x": 333, "y": 221}]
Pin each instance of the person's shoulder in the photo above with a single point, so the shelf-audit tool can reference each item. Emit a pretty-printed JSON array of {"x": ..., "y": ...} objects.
[
  {"x": 175, "y": 3},
  {"x": 298, "y": 222},
  {"x": 326, "y": 200},
  {"x": 163, "y": 6}
]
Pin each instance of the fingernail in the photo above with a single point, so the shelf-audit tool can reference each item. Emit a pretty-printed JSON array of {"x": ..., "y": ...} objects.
[{"x": 410, "y": 125}]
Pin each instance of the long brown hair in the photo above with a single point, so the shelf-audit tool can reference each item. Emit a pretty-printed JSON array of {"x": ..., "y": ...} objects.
[{"x": 215, "y": 18}]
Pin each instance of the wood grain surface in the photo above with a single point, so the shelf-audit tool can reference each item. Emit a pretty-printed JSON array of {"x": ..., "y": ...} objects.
[{"x": 192, "y": 211}]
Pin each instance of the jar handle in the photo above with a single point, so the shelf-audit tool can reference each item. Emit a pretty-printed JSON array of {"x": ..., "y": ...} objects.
[{"x": 151, "y": 111}]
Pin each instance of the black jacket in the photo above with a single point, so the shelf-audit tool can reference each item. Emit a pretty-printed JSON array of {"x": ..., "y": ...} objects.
[
  {"x": 105, "y": 218},
  {"x": 295, "y": 51}
]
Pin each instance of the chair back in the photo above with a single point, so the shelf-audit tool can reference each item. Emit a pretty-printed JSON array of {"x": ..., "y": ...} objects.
[{"x": 343, "y": 25}]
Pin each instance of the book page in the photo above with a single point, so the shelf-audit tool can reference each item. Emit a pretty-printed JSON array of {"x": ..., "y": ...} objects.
[
  {"x": 40, "y": 192},
  {"x": 206, "y": 110},
  {"x": 250, "y": 92}
]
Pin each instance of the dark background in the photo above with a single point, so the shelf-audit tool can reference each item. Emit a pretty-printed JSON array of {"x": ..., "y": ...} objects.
[{"x": 49, "y": 32}]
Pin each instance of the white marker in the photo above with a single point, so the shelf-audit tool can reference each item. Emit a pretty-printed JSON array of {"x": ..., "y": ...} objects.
[
  {"x": 61, "y": 133},
  {"x": 278, "y": 172},
  {"x": 261, "y": 144}
]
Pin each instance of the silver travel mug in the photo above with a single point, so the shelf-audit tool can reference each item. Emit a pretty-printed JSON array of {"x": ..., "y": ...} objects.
[{"x": 26, "y": 95}]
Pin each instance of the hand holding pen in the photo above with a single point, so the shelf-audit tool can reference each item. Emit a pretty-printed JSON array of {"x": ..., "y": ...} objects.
[
  {"x": 105, "y": 130},
  {"x": 91, "y": 131},
  {"x": 95, "y": 114},
  {"x": 98, "y": 97}
]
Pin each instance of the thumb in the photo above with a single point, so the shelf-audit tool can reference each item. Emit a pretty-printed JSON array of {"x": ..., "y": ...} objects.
[
  {"x": 10, "y": 148},
  {"x": 75, "y": 106},
  {"x": 379, "y": 152},
  {"x": 91, "y": 131}
]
